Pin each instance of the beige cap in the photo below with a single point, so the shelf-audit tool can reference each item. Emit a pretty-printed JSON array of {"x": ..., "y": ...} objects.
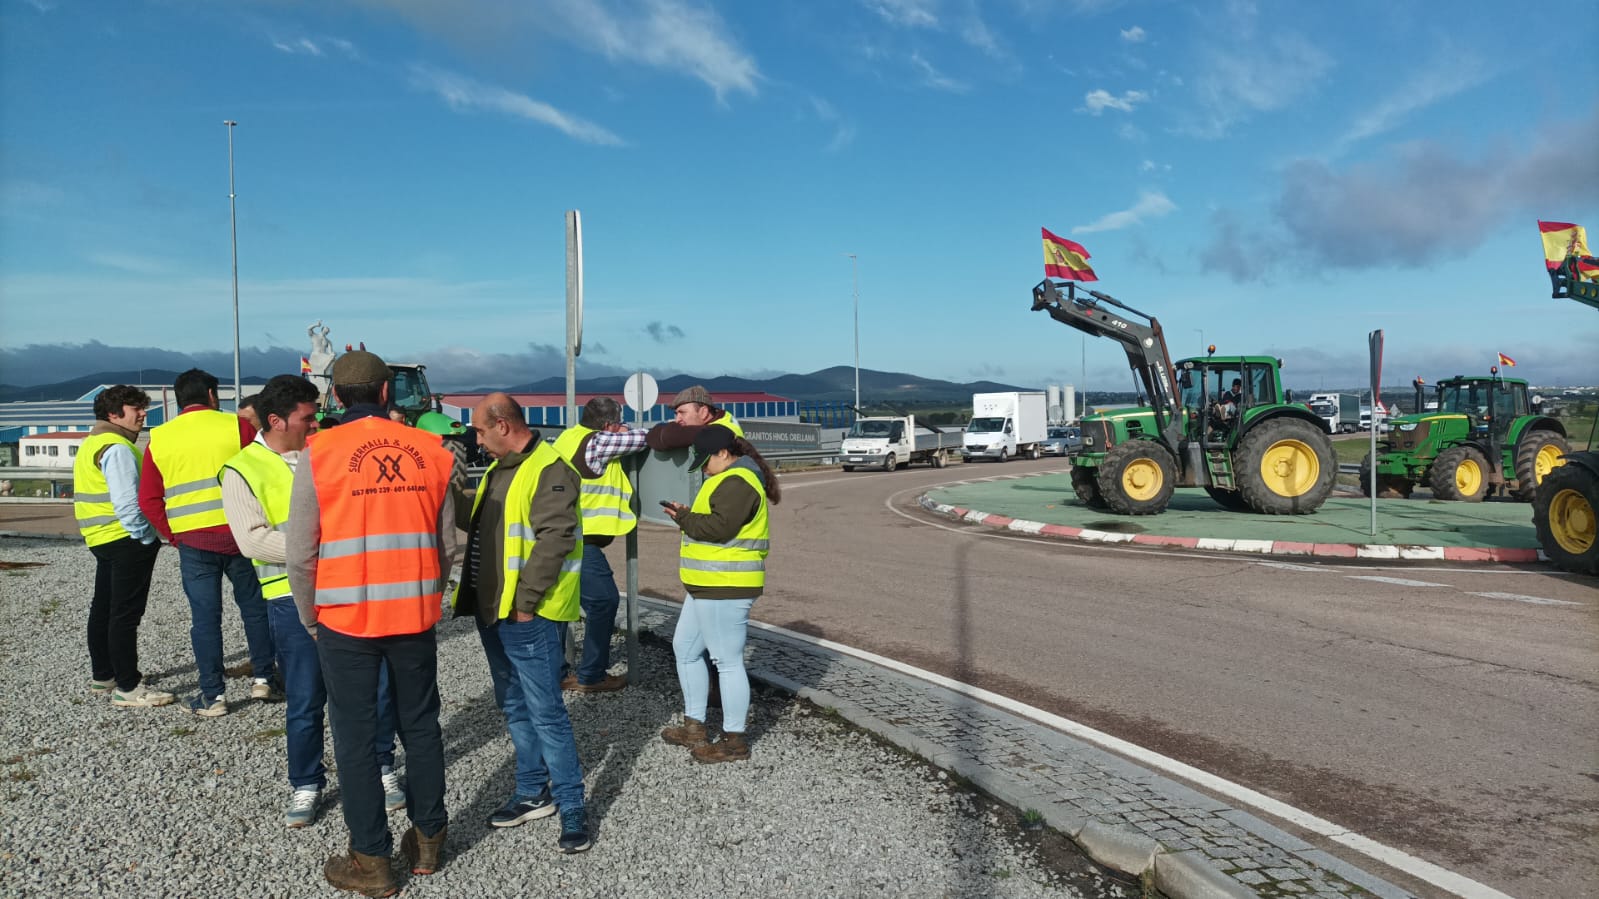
[{"x": 695, "y": 394}]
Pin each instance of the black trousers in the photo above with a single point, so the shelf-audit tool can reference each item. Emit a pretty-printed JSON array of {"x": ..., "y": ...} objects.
[
  {"x": 350, "y": 668},
  {"x": 122, "y": 574}
]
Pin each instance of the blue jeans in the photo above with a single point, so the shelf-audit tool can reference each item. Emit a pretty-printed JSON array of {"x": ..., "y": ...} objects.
[
  {"x": 600, "y": 599},
  {"x": 305, "y": 697},
  {"x": 202, "y": 572},
  {"x": 525, "y": 665},
  {"x": 350, "y": 670},
  {"x": 720, "y": 626}
]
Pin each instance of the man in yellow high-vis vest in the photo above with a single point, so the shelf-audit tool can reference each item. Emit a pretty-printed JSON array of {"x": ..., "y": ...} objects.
[
  {"x": 105, "y": 491},
  {"x": 594, "y": 447},
  {"x": 179, "y": 493}
]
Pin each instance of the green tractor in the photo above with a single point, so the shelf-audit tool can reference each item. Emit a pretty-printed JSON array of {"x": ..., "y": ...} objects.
[
  {"x": 1222, "y": 423},
  {"x": 1482, "y": 437},
  {"x": 410, "y": 395},
  {"x": 1566, "y": 511}
]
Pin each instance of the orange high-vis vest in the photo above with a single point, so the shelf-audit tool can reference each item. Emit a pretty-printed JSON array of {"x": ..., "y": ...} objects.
[{"x": 379, "y": 487}]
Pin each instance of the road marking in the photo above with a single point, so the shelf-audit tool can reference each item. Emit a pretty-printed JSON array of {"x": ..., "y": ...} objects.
[
  {"x": 1396, "y": 581},
  {"x": 1457, "y": 884},
  {"x": 1519, "y": 597},
  {"x": 1289, "y": 566}
]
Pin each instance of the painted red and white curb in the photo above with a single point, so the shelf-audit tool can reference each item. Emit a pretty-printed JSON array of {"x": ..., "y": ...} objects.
[{"x": 1389, "y": 551}]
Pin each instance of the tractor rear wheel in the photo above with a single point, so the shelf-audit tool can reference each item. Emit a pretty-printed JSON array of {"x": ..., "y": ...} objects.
[
  {"x": 1137, "y": 478},
  {"x": 1087, "y": 488},
  {"x": 458, "y": 475},
  {"x": 1459, "y": 474},
  {"x": 1285, "y": 466},
  {"x": 1230, "y": 499},
  {"x": 1565, "y": 513},
  {"x": 1536, "y": 455}
]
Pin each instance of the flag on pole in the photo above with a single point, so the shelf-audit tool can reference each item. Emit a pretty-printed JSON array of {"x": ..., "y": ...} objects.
[
  {"x": 1562, "y": 239},
  {"x": 305, "y": 365},
  {"x": 1066, "y": 259},
  {"x": 1506, "y": 361}
]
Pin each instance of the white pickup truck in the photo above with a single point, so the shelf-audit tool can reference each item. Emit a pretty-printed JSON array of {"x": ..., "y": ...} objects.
[{"x": 889, "y": 442}]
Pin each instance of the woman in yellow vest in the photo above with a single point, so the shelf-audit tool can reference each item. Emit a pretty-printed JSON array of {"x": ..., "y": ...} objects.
[{"x": 722, "y": 562}]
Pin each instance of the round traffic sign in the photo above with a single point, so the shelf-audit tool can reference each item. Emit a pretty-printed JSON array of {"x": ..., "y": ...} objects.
[{"x": 640, "y": 392}]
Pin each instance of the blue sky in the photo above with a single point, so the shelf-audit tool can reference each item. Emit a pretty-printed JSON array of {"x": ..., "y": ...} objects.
[{"x": 1283, "y": 177}]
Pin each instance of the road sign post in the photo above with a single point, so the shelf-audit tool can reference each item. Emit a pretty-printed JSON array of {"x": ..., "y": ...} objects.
[
  {"x": 640, "y": 393},
  {"x": 1374, "y": 340}
]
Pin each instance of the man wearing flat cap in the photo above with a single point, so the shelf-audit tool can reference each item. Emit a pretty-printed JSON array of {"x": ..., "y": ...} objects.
[
  {"x": 694, "y": 409},
  {"x": 370, "y": 536}
]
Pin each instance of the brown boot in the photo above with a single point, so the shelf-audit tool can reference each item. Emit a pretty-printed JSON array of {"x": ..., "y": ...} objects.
[
  {"x": 424, "y": 852},
  {"x": 731, "y": 748},
  {"x": 368, "y": 875},
  {"x": 690, "y": 734}
]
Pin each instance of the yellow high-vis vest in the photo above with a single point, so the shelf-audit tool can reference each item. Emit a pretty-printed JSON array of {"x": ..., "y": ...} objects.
[
  {"x": 740, "y": 562},
  {"x": 190, "y": 451},
  {"x": 91, "y": 495},
  {"x": 560, "y": 602},
  {"x": 271, "y": 480},
  {"x": 606, "y": 501},
  {"x": 728, "y": 421}
]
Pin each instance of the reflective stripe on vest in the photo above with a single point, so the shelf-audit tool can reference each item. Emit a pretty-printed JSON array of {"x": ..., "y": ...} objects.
[
  {"x": 740, "y": 562},
  {"x": 606, "y": 501},
  {"x": 271, "y": 480},
  {"x": 190, "y": 450},
  {"x": 560, "y": 602},
  {"x": 380, "y": 486},
  {"x": 91, "y": 495}
]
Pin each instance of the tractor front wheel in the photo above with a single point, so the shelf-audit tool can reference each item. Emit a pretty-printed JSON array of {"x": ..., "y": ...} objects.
[
  {"x": 1566, "y": 517},
  {"x": 1087, "y": 487},
  {"x": 1388, "y": 486},
  {"x": 1460, "y": 474},
  {"x": 1536, "y": 455},
  {"x": 1285, "y": 466},
  {"x": 1137, "y": 478}
]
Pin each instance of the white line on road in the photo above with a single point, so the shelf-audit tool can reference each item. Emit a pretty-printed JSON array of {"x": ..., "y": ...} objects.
[
  {"x": 1396, "y": 581},
  {"x": 1457, "y": 884},
  {"x": 1534, "y": 600}
]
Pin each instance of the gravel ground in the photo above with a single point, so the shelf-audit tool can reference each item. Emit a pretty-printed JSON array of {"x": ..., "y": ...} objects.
[{"x": 101, "y": 801}]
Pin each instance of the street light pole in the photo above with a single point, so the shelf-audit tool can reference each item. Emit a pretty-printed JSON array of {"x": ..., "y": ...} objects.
[
  {"x": 855, "y": 273},
  {"x": 1202, "y": 344},
  {"x": 233, "y": 218}
]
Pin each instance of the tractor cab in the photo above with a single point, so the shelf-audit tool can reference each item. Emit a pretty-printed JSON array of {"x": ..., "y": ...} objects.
[{"x": 1217, "y": 394}]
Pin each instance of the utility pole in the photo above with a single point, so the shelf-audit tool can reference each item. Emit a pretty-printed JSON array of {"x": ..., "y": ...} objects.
[
  {"x": 855, "y": 273},
  {"x": 233, "y": 216}
]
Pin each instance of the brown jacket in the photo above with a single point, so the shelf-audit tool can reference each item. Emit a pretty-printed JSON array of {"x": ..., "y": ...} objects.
[{"x": 554, "y": 515}]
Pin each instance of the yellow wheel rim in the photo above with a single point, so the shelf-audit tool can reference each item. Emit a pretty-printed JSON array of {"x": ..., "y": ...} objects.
[
  {"x": 1572, "y": 522},
  {"x": 1468, "y": 477},
  {"x": 1548, "y": 457},
  {"x": 1290, "y": 468},
  {"x": 1142, "y": 479}
]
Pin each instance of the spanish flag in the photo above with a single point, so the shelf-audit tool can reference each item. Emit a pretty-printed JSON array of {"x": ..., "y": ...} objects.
[
  {"x": 1506, "y": 361},
  {"x": 1065, "y": 259},
  {"x": 305, "y": 365},
  {"x": 1562, "y": 239}
]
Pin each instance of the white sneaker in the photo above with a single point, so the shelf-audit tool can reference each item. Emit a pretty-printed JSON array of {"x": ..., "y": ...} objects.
[
  {"x": 302, "y": 806},
  {"x": 393, "y": 791},
  {"x": 261, "y": 688},
  {"x": 140, "y": 697}
]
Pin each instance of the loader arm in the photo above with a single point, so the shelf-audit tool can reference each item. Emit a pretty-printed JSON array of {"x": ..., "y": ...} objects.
[
  {"x": 1139, "y": 334},
  {"x": 1568, "y": 282}
]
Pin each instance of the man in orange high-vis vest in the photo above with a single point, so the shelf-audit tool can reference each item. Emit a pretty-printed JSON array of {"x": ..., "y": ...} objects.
[
  {"x": 369, "y": 540},
  {"x": 180, "y": 495}
]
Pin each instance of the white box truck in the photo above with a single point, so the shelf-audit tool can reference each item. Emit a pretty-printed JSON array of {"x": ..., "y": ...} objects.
[
  {"x": 1005, "y": 425},
  {"x": 1341, "y": 412},
  {"x": 889, "y": 442}
]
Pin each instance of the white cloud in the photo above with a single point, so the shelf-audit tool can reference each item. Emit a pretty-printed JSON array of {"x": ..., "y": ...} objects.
[
  {"x": 1099, "y": 100},
  {"x": 132, "y": 263},
  {"x": 906, "y": 13},
  {"x": 1133, "y": 35},
  {"x": 1447, "y": 75},
  {"x": 933, "y": 78},
  {"x": 319, "y": 47},
  {"x": 1245, "y": 78},
  {"x": 1151, "y": 204},
  {"x": 463, "y": 93}
]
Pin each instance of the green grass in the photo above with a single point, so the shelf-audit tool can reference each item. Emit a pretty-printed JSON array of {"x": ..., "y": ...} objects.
[{"x": 1351, "y": 450}]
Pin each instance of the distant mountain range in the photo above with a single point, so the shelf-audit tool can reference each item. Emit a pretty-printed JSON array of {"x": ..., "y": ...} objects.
[{"x": 836, "y": 384}]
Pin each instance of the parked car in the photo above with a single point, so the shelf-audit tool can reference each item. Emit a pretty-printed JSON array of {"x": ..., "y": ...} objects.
[{"x": 1063, "y": 441}]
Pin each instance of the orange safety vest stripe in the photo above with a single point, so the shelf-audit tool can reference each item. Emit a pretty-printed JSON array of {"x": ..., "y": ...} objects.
[{"x": 379, "y": 488}]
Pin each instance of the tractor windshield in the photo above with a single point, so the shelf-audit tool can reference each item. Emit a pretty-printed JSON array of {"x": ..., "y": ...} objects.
[
  {"x": 1463, "y": 397},
  {"x": 409, "y": 390}
]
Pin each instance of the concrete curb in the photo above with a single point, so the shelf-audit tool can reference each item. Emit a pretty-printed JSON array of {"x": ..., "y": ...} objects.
[{"x": 1385, "y": 551}]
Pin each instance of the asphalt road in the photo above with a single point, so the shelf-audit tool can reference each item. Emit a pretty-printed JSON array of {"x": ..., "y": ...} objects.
[{"x": 1448, "y": 712}]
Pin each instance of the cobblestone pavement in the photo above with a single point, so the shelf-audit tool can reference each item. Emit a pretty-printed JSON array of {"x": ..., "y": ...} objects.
[{"x": 1123, "y": 814}]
